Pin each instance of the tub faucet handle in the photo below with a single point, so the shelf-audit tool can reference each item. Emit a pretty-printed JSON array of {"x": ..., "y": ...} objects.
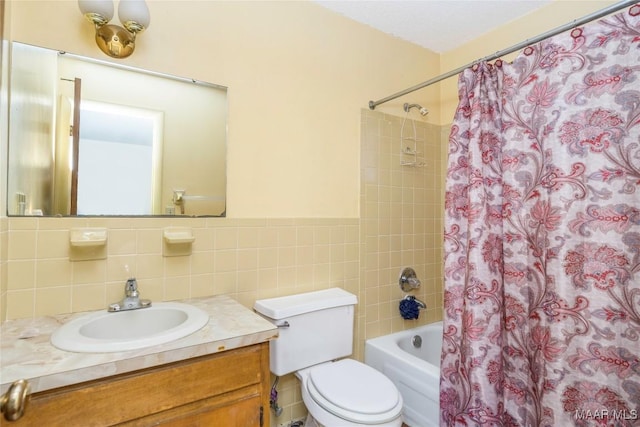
[{"x": 408, "y": 280}]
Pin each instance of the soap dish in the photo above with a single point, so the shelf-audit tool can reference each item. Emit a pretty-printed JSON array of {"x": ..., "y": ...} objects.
[
  {"x": 177, "y": 241},
  {"x": 82, "y": 237},
  {"x": 87, "y": 244},
  {"x": 178, "y": 235}
]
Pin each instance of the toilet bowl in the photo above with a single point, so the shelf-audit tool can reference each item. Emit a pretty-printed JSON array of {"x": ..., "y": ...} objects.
[
  {"x": 315, "y": 338},
  {"x": 348, "y": 393}
]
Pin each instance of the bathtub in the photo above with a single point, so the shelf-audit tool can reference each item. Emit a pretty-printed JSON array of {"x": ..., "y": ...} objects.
[{"x": 415, "y": 370}]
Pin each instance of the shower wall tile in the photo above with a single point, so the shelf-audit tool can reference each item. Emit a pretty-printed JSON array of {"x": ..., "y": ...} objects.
[{"x": 400, "y": 221}]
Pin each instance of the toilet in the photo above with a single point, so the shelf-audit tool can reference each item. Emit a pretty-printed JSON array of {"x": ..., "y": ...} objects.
[{"x": 315, "y": 337}]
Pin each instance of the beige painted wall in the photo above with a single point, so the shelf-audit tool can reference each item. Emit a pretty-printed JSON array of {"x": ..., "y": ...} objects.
[
  {"x": 298, "y": 78},
  {"x": 297, "y": 75}
]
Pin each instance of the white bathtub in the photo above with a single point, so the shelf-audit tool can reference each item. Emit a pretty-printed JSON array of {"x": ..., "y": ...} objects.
[{"x": 415, "y": 371}]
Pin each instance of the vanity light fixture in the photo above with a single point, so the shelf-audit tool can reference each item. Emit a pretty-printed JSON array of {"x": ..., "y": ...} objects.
[{"x": 115, "y": 41}]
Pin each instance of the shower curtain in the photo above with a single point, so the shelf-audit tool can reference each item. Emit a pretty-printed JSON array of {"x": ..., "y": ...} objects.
[{"x": 542, "y": 235}]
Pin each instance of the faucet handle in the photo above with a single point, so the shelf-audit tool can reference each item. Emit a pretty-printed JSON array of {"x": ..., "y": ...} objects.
[
  {"x": 408, "y": 280},
  {"x": 131, "y": 299},
  {"x": 131, "y": 287}
]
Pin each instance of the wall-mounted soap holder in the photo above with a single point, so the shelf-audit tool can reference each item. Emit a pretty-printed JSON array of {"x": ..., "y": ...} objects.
[
  {"x": 87, "y": 244},
  {"x": 177, "y": 241},
  {"x": 408, "y": 280}
]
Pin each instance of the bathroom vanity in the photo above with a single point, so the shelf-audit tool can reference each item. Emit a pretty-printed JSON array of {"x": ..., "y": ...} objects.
[{"x": 217, "y": 376}]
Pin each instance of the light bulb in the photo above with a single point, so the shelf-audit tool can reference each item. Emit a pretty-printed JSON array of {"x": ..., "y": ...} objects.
[
  {"x": 134, "y": 14},
  {"x": 97, "y": 10}
]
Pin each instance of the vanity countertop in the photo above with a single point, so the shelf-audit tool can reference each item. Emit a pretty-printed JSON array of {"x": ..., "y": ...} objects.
[{"x": 27, "y": 352}]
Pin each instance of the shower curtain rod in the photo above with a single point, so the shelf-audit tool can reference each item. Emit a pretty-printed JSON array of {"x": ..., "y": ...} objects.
[{"x": 569, "y": 26}]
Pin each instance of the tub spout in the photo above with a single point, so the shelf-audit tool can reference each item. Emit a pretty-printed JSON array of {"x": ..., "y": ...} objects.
[{"x": 418, "y": 302}]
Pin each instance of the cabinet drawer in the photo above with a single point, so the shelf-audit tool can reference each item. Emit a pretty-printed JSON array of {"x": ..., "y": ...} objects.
[{"x": 235, "y": 409}]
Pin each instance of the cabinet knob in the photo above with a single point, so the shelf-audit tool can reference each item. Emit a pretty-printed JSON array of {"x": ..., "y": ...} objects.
[{"x": 13, "y": 403}]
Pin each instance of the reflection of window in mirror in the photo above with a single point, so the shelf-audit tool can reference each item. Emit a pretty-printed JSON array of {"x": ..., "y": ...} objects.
[{"x": 119, "y": 160}]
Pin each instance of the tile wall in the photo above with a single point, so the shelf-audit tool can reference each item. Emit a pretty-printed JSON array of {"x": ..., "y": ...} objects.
[
  {"x": 246, "y": 259},
  {"x": 401, "y": 218}
]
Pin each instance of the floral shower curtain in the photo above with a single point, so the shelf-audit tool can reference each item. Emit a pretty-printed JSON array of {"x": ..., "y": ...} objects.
[{"x": 542, "y": 235}]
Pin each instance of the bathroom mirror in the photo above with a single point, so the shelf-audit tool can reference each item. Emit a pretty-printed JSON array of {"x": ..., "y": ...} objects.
[{"x": 89, "y": 137}]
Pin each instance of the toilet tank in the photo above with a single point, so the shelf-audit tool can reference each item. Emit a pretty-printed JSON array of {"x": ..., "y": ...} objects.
[{"x": 314, "y": 327}]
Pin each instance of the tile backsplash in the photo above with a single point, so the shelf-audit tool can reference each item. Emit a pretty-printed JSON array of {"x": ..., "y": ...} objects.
[{"x": 243, "y": 258}]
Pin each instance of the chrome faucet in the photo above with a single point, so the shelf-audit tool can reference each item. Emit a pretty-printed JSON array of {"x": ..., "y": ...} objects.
[
  {"x": 420, "y": 304},
  {"x": 408, "y": 280},
  {"x": 131, "y": 299}
]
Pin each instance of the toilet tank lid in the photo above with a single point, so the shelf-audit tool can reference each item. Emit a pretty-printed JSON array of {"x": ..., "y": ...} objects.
[{"x": 293, "y": 305}]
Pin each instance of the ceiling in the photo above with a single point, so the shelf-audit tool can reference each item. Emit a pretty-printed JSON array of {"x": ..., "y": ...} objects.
[{"x": 438, "y": 25}]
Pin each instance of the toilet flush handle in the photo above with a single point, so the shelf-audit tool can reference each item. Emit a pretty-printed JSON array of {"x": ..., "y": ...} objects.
[{"x": 284, "y": 324}]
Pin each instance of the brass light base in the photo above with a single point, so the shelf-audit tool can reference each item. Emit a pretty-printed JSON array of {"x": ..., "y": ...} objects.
[{"x": 115, "y": 41}]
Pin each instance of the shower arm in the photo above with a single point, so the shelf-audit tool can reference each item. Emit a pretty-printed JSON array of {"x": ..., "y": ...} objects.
[{"x": 423, "y": 111}]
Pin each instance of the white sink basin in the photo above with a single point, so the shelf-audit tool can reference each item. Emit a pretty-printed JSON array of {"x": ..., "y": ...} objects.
[{"x": 104, "y": 331}]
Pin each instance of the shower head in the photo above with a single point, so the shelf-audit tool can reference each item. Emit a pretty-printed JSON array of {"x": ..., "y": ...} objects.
[{"x": 423, "y": 111}]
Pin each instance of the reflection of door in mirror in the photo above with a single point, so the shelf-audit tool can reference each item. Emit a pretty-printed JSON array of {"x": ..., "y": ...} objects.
[
  {"x": 63, "y": 155},
  {"x": 119, "y": 165},
  {"x": 66, "y": 144}
]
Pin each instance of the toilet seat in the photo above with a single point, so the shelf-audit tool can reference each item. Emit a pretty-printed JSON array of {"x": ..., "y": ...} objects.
[{"x": 354, "y": 392}]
